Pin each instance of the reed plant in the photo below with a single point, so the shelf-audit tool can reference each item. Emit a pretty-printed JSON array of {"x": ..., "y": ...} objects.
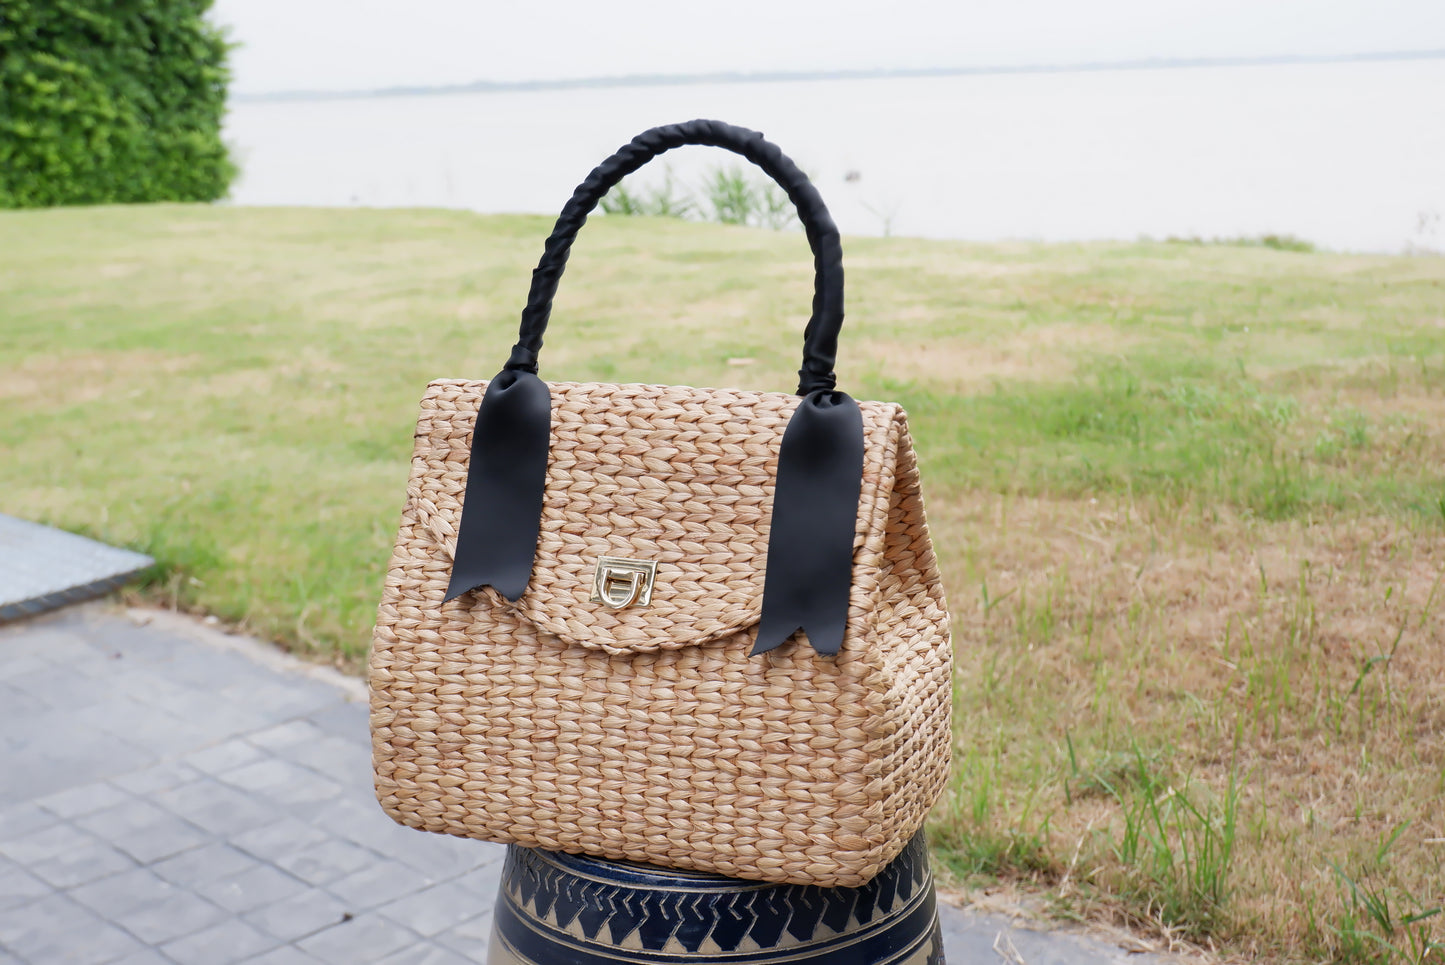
[{"x": 726, "y": 195}]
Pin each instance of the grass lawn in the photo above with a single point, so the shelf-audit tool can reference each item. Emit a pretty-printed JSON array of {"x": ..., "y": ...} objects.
[{"x": 1189, "y": 501}]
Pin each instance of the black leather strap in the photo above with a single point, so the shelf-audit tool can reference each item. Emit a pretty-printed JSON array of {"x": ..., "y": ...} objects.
[
  {"x": 815, "y": 513},
  {"x": 820, "y": 463},
  {"x": 506, "y": 481}
]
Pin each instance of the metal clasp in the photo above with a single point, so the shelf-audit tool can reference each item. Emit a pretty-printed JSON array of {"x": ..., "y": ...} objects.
[{"x": 620, "y": 583}]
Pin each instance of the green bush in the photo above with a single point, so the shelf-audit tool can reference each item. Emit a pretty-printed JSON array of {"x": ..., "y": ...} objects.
[{"x": 111, "y": 101}]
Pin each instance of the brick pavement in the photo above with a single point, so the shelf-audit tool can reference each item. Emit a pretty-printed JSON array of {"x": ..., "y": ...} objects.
[{"x": 171, "y": 794}]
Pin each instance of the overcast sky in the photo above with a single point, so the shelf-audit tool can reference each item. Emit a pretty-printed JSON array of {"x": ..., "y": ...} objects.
[{"x": 364, "y": 44}]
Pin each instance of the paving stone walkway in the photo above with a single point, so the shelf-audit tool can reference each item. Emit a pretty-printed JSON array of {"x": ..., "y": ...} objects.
[{"x": 172, "y": 794}]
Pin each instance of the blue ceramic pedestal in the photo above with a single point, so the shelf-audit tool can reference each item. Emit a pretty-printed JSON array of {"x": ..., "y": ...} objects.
[{"x": 562, "y": 909}]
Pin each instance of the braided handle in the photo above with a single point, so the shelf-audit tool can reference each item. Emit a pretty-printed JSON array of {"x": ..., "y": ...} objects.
[{"x": 820, "y": 338}]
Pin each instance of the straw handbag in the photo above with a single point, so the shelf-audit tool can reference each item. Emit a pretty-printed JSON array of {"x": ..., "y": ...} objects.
[{"x": 697, "y": 628}]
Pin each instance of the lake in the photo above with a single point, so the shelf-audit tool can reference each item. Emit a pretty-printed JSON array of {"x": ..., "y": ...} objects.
[{"x": 1350, "y": 156}]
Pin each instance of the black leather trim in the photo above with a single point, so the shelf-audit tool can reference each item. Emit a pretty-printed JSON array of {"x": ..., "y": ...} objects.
[
  {"x": 506, "y": 480},
  {"x": 815, "y": 514}
]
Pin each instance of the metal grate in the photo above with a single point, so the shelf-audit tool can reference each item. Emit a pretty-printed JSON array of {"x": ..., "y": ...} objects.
[{"x": 43, "y": 568}]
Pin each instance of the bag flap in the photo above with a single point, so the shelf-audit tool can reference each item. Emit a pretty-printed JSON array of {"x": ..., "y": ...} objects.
[{"x": 671, "y": 475}]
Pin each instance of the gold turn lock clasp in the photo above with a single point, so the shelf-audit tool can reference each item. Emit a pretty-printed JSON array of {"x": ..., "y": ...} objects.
[{"x": 620, "y": 583}]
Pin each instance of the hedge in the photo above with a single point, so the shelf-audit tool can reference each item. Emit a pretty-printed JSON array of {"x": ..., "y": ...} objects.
[{"x": 111, "y": 101}]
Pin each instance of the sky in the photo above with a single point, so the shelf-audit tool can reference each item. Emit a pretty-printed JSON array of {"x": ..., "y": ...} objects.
[{"x": 330, "y": 45}]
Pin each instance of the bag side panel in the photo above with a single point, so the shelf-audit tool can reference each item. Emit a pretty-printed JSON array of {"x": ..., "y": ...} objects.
[
  {"x": 917, "y": 654},
  {"x": 390, "y": 675}
]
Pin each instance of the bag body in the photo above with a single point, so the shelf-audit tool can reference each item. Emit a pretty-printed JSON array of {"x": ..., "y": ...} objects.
[{"x": 616, "y": 705}]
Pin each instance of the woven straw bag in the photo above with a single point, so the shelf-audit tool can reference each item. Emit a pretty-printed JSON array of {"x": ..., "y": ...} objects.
[{"x": 696, "y": 628}]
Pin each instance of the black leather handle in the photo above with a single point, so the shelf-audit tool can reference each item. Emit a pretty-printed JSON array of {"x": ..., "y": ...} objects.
[{"x": 820, "y": 338}]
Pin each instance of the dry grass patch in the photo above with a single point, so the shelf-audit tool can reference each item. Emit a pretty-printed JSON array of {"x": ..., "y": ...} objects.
[
  {"x": 1228, "y": 727},
  {"x": 86, "y": 376},
  {"x": 1039, "y": 353}
]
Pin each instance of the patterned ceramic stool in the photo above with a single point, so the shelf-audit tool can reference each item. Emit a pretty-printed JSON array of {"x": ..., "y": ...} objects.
[{"x": 562, "y": 909}]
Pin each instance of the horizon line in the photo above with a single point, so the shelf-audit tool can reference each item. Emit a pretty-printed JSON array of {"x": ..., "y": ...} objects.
[{"x": 790, "y": 76}]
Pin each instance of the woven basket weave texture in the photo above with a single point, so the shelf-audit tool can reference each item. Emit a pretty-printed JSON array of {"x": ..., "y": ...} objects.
[{"x": 649, "y": 734}]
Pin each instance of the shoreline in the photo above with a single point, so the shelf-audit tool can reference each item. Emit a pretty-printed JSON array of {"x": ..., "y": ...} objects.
[{"x": 782, "y": 76}]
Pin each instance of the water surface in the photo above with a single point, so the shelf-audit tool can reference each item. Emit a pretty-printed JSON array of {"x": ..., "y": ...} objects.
[{"x": 1348, "y": 155}]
